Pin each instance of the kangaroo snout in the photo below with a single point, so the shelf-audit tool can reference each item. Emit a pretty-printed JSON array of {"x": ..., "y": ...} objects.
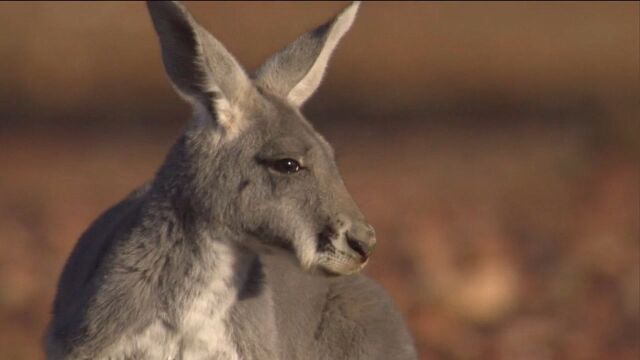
[
  {"x": 361, "y": 239},
  {"x": 354, "y": 237}
]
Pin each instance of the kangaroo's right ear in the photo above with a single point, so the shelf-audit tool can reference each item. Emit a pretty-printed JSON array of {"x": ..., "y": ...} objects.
[
  {"x": 199, "y": 66},
  {"x": 295, "y": 72}
]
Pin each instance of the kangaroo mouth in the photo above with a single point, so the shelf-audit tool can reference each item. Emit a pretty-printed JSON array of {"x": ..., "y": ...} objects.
[
  {"x": 333, "y": 261},
  {"x": 325, "y": 258}
]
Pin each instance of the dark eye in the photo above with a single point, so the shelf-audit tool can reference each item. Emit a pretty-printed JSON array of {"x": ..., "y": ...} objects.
[{"x": 286, "y": 166}]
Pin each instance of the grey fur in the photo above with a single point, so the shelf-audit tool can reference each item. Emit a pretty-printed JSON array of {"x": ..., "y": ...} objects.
[{"x": 222, "y": 255}]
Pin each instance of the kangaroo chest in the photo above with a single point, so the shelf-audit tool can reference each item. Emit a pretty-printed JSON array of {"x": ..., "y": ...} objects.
[
  {"x": 201, "y": 329},
  {"x": 202, "y": 334}
]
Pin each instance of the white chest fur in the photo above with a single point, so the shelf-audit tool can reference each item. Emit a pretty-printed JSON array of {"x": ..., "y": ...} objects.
[
  {"x": 204, "y": 331},
  {"x": 201, "y": 331}
]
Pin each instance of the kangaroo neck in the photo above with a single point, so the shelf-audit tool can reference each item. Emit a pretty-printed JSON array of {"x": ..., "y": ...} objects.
[{"x": 191, "y": 256}]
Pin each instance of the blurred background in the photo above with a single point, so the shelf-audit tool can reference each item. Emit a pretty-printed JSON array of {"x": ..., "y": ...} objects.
[{"x": 494, "y": 146}]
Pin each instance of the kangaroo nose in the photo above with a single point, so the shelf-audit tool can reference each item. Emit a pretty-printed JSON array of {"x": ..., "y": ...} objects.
[{"x": 362, "y": 240}]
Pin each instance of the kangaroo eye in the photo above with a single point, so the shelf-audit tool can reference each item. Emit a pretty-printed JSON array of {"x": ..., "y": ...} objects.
[{"x": 286, "y": 166}]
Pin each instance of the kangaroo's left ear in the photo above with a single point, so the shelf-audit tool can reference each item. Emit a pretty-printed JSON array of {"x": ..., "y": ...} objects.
[
  {"x": 199, "y": 66},
  {"x": 295, "y": 72}
]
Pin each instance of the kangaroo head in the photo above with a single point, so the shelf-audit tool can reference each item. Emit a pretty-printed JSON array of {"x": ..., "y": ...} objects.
[{"x": 249, "y": 161}]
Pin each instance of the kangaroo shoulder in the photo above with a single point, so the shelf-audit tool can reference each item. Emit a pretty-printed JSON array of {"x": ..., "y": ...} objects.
[
  {"x": 78, "y": 275},
  {"x": 95, "y": 242},
  {"x": 358, "y": 306}
]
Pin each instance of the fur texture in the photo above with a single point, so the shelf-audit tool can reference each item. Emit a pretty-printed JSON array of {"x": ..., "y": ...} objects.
[{"x": 246, "y": 244}]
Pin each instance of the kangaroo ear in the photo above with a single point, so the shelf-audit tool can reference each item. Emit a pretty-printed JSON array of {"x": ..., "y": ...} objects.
[
  {"x": 295, "y": 72},
  {"x": 199, "y": 66}
]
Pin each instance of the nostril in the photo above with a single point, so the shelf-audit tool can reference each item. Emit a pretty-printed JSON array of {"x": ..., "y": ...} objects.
[{"x": 359, "y": 247}]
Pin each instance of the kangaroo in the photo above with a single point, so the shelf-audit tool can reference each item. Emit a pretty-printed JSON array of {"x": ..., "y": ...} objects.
[{"x": 246, "y": 243}]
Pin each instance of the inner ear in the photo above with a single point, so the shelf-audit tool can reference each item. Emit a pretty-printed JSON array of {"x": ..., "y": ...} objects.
[
  {"x": 295, "y": 72},
  {"x": 227, "y": 117}
]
